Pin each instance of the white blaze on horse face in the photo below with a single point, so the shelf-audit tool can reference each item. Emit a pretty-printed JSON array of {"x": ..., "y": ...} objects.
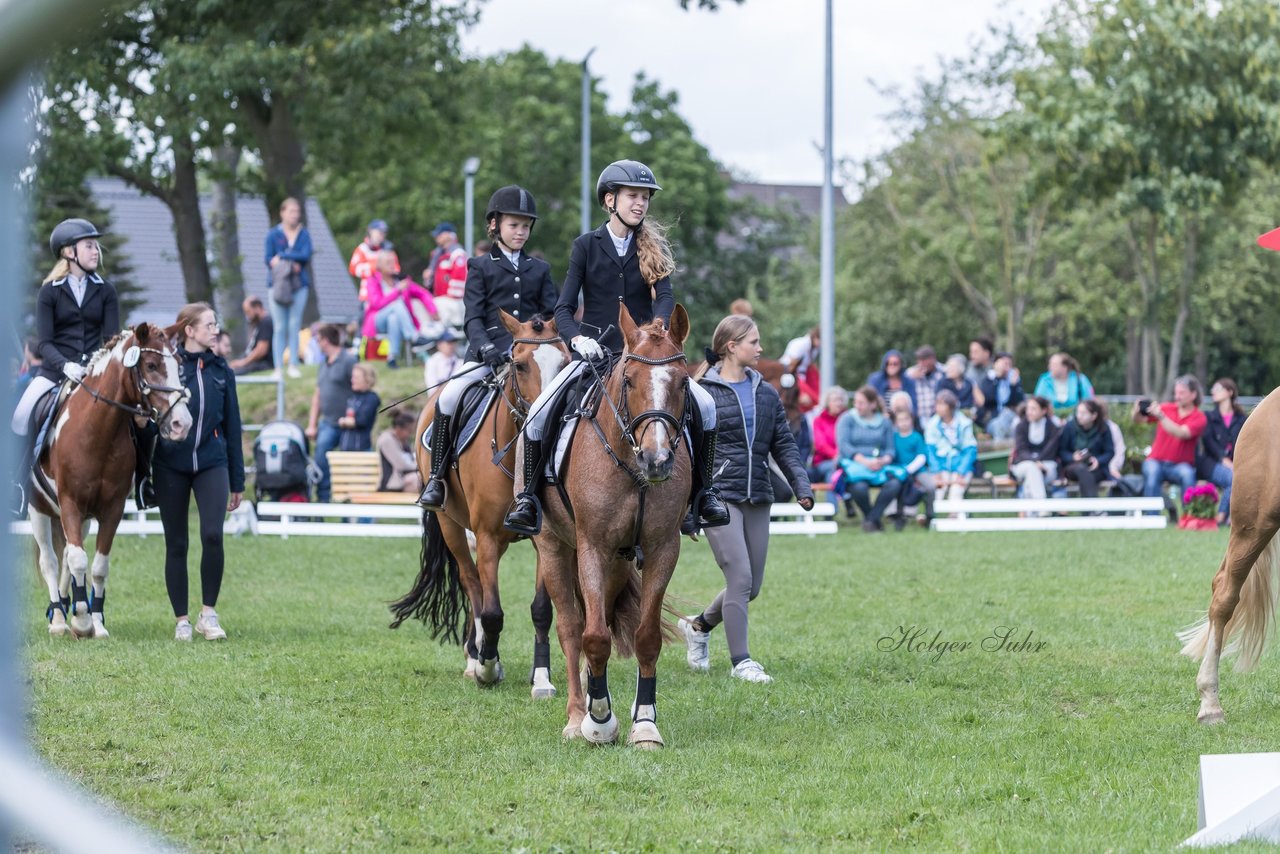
[
  {"x": 550, "y": 359},
  {"x": 179, "y": 414},
  {"x": 660, "y": 382}
]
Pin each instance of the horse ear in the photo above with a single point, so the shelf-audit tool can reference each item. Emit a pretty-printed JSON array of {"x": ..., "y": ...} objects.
[
  {"x": 513, "y": 325},
  {"x": 679, "y": 329},
  {"x": 551, "y": 326},
  {"x": 630, "y": 332},
  {"x": 143, "y": 333}
]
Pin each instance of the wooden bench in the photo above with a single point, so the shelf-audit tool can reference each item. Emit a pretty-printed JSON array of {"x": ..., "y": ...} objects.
[
  {"x": 354, "y": 478},
  {"x": 1010, "y": 514}
]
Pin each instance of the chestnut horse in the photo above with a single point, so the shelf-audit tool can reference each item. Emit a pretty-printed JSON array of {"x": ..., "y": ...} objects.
[
  {"x": 628, "y": 486},
  {"x": 1246, "y": 585},
  {"x": 87, "y": 471},
  {"x": 479, "y": 495}
]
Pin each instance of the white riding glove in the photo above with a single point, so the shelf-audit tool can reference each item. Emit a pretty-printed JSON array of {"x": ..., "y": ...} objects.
[
  {"x": 588, "y": 348},
  {"x": 73, "y": 371}
]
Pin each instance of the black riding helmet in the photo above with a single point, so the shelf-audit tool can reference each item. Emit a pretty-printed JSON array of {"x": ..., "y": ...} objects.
[
  {"x": 69, "y": 232},
  {"x": 514, "y": 200},
  {"x": 624, "y": 173}
]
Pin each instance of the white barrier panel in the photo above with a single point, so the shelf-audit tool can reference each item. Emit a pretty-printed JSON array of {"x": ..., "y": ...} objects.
[
  {"x": 1033, "y": 514},
  {"x": 1239, "y": 799}
]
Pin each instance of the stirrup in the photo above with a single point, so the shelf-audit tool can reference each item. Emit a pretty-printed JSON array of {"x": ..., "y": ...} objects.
[
  {"x": 18, "y": 501},
  {"x": 423, "y": 500},
  {"x": 517, "y": 525},
  {"x": 717, "y": 516}
]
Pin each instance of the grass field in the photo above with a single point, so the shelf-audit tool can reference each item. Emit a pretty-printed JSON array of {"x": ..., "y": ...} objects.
[{"x": 317, "y": 728}]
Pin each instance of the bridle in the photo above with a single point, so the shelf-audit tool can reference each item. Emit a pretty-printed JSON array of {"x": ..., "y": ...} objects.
[
  {"x": 520, "y": 405},
  {"x": 628, "y": 424},
  {"x": 144, "y": 388}
]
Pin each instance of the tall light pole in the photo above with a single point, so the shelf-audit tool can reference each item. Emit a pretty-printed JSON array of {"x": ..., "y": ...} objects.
[
  {"x": 469, "y": 169},
  {"x": 827, "y": 361},
  {"x": 586, "y": 144}
]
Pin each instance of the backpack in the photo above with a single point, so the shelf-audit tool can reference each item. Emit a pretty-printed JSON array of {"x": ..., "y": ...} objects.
[{"x": 282, "y": 461}]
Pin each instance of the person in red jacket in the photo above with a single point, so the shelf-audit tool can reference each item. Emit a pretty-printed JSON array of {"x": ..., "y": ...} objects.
[
  {"x": 1179, "y": 425},
  {"x": 824, "y": 434},
  {"x": 364, "y": 260},
  {"x": 447, "y": 275}
]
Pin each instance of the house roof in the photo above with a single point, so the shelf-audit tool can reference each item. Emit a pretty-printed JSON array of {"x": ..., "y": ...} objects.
[
  {"x": 806, "y": 198},
  {"x": 146, "y": 226}
]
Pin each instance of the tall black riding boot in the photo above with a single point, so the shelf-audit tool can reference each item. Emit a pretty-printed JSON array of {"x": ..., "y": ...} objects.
[
  {"x": 144, "y": 445},
  {"x": 433, "y": 493},
  {"x": 708, "y": 504},
  {"x": 526, "y": 516},
  {"x": 20, "y": 487}
]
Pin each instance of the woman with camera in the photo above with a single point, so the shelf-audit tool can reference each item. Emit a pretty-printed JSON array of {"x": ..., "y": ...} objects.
[
  {"x": 1085, "y": 448},
  {"x": 1179, "y": 425}
]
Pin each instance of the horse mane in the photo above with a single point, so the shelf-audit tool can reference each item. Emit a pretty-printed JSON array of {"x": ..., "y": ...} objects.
[
  {"x": 537, "y": 324},
  {"x": 105, "y": 352}
]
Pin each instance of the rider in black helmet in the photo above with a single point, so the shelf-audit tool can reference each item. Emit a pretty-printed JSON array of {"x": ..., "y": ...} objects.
[
  {"x": 627, "y": 258},
  {"x": 76, "y": 312},
  {"x": 505, "y": 278}
]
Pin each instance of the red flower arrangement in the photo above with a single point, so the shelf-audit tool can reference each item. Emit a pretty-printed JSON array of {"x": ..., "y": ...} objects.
[{"x": 1200, "y": 506}]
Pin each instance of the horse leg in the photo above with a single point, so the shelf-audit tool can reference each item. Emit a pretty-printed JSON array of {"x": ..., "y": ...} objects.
[
  {"x": 489, "y": 616},
  {"x": 557, "y": 571},
  {"x": 648, "y": 643},
  {"x": 540, "y": 611},
  {"x": 599, "y": 589},
  {"x": 101, "y": 566},
  {"x": 47, "y": 558},
  {"x": 76, "y": 562},
  {"x": 455, "y": 538},
  {"x": 1244, "y": 555}
]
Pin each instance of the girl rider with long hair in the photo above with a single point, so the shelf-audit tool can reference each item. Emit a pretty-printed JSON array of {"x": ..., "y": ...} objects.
[
  {"x": 629, "y": 258},
  {"x": 76, "y": 312}
]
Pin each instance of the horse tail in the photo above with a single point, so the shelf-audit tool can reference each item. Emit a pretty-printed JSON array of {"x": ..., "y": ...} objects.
[
  {"x": 1249, "y": 628},
  {"x": 626, "y": 616},
  {"x": 436, "y": 597}
]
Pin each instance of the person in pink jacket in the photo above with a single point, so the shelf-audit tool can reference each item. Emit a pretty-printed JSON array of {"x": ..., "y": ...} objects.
[{"x": 389, "y": 312}]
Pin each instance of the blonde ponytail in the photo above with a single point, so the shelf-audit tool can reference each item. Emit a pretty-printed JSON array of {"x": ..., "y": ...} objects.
[
  {"x": 60, "y": 271},
  {"x": 653, "y": 251}
]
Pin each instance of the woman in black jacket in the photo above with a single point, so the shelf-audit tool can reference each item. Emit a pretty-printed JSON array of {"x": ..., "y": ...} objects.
[
  {"x": 208, "y": 463},
  {"x": 628, "y": 259},
  {"x": 1215, "y": 456},
  {"x": 505, "y": 278},
  {"x": 1034, "y": 461},
  {"x": 753, "y": 426},
  {"x": 1085, "y": 447},
  {"x": 76, "y": 312}
]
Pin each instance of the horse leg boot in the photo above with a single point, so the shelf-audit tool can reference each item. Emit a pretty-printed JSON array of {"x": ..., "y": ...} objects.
[
  {"x": 98, "y": 593},
  {"x": 540, "y": 677},
  {"x": 526, "y": 516},
  {"x": 433, "y": 493}
]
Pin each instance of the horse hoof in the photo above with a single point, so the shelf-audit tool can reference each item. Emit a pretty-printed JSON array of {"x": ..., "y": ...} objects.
[
  {"x": 600, "y": 733},
  {"x": 1211, "y": 718},
  {"x": 59, "y": 630},
  {"x": 542, "y": 687},
  {"x": 572, "y": 731},
  {"x": 81, "y": 627},
  {"x": 469, "y": 672},
  {"x": 99, "y": 628},
  {"x": 489, "y": 673},
  {"x": 645, "y": 736}
]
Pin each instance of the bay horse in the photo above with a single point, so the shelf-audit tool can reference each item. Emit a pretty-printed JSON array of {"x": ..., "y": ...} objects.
[
  {"x": 608, "y": 554},
  {"x": 479, "y": 490},
  {"x": 86, "y": 471}
]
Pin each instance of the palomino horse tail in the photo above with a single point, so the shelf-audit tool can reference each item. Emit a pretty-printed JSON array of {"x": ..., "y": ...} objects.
[
  {"x": 1249, "y": 628},
  {"x": 626, "y": 616},
  {"x": 437, "y": 595}
]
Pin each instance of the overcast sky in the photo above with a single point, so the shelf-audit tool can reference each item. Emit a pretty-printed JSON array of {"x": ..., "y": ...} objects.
[{"x": 749, "y": 77}]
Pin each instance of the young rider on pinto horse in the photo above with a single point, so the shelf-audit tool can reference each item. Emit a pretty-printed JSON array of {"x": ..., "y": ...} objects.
[
  {"x": 76, "y": 312},
  {"x": 509, "y": 279},
  {"x": 627, "y": 258}
]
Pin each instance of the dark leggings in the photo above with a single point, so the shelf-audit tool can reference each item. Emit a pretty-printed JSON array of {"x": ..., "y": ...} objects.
[
  {"x": 860, "y": 492},
  {"x": 173, "y": 494},
  {"x": 1087, "y": 478}
]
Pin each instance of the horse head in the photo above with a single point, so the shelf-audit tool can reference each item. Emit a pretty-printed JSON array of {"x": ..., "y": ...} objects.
[
  {"x": 654, "y": 376},
  {"x": 156, "y": 386},
  {"x": 537, "y": 354}
]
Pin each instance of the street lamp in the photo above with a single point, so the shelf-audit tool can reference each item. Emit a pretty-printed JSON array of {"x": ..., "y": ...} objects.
[
  {"x": 586, "y": 144},
  {"x": 470, "y": 167}
]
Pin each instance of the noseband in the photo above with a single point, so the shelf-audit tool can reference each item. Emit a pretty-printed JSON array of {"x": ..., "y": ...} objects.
[{"x": 629, "y": 424}]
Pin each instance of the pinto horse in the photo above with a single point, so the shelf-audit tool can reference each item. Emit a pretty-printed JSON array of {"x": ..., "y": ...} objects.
[
  {"x": 479, "y": 494},
  {"x": 618, "y": 512},
  {"x": 1247, "y": 583},
  {"x": 86, "y": 471}
]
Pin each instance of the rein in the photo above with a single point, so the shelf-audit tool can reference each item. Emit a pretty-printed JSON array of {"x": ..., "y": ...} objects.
[
  {"x": 140, "y": 410},
  {"x": 508, "y": 387}
]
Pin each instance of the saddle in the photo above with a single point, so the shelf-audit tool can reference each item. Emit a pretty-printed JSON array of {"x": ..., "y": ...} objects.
[{"x": 473, "y": 409}]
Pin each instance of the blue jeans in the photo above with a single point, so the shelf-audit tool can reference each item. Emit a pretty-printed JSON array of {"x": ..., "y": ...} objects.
[
  {"x": 327, "y": 436},
  {"x": 286, "y": 321},
  {"x": 1155, "y": 473},
  {"x": 1222, "y": 477},
  {"x": 394, "y": 321}
]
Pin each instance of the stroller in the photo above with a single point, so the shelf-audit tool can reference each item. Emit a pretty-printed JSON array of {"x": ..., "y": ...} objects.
[{"x": 283, "y": 465}]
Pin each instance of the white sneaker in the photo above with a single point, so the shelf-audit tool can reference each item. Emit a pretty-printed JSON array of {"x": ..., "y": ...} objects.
[
  {"x": 294, "y": 373},
  {"x": 749, "y": 671},
  {"x": 183, "y": 631},
  {"x": 699, "y": 655},
  {"x": 208, "y": 626},
  {"x": 276, "y": 375}
]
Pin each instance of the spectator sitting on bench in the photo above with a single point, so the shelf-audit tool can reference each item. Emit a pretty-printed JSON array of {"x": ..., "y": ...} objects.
[
  {"x": 865, "y": 440},
  {"x": 1001, "y": 396},
  {"x": 1034, "y": 461},
  {"x": 957, "y": 383},
  {"x": 362, "y": 411},
  {"x": 911, "y": 455},
  {"x": 1063, "y": 385},
  {"x": 1119, "y": 450},
  {"x": 389, "y": 312},
  {"x": 892, "y": 377},
  {"x": 900, "y": 401},
  {"x": 951, "y": 447},
  {"x": 258, "y": 356},
  {"x": 824, "y": 435},
  {"x": 1179, "y": 425},
  {"x": 1215, "y": 457},
  {"x": 444, "y": 362},
  {"x": 395, "y": 452},
  {"x": 1085, "y": 448}
]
